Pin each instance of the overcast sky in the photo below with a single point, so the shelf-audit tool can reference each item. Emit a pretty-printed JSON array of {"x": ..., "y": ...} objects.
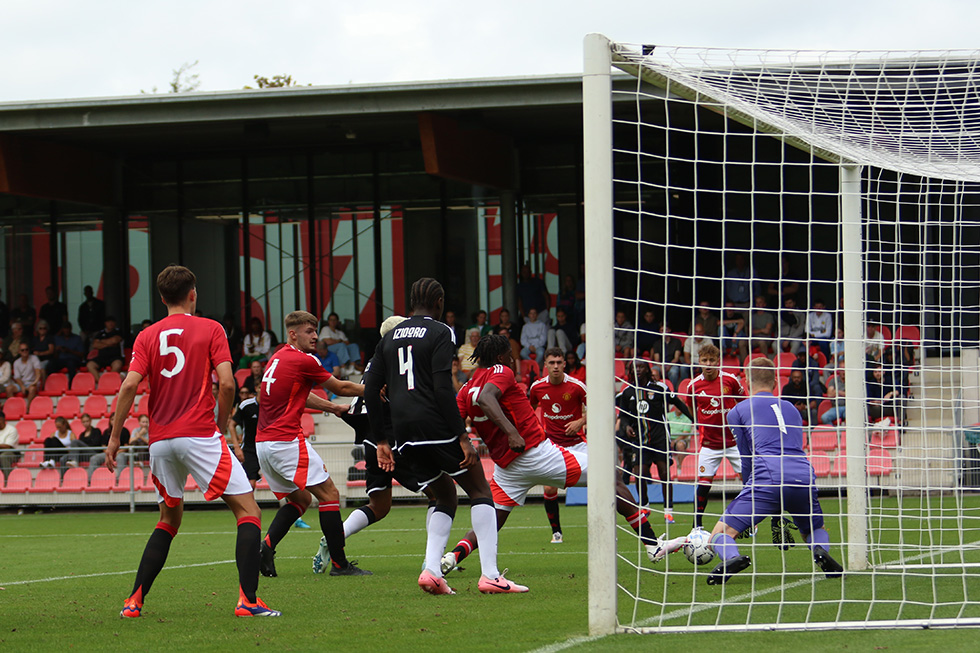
[{"x": 93, "y": 48}]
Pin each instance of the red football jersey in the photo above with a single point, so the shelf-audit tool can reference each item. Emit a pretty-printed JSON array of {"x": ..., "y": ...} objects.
[
  {"x": 560, "y": 404},
  {"x": 712, "y": 401},
  {"x": 177, "y": 356},
  {"x": 289, "y": 376},
  {"x": 514, "y": 403}
]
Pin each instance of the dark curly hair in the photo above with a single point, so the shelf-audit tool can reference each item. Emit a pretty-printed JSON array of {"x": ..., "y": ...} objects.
[
  {"x": 489, "y": 349},
  {"x": 426, "y": 293}
]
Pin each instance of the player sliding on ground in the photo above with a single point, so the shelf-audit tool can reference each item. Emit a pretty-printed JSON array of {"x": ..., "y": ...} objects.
[
  {"x": 414, "y": 361},
  {"x": 523, "y": 457},
  {"x": 178, "y": 355},
  {"x": 377, "y": 481},
  {"x": 289, "y": 462},
  {"x": 769, "y": 432}
]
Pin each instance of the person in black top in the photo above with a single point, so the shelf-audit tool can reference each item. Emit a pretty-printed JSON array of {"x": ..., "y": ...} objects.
[
  {"x": 108, "y": 348},
  {"x": 55, "y": 313},
  {"x": 91, "y": 314},
  {"x": 643, "y": 429},
  {"x": 414, "y": 361},
  {"x": 247, "y": 417}
]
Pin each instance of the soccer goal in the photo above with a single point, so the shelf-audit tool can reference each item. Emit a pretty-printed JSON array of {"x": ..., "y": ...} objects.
[{"x": 821, "y": 209}]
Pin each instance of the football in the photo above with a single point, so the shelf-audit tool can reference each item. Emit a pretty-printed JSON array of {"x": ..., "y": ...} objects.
[{"x": 696, "y": 549}]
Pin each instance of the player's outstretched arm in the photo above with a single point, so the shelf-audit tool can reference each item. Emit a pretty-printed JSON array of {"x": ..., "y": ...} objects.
[
  {"x": 124, "y": 403},
  {"x": 489, "y": 402},
  {"x": 316, "y": 402},
  {"x": 344, "y": 388}
]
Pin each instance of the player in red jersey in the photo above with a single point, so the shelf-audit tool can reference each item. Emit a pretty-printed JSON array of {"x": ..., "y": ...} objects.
[
  {"x": 523, "y": 456},
  {"x": 713, "y": 393},
  {"x": 289, "y": 463},
  {"x": 562, "y": 398},
  {"x": 178, "y": 355}
]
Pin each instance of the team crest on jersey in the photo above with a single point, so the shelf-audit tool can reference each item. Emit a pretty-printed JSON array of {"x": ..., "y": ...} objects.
[
  {"x": 724, "y": 390},
  {"x": 325, "y": 468},
  {"x": 567, "y": 396}
]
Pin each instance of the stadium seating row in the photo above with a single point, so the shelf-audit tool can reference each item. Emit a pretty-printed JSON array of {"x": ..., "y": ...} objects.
[
  {"x": 29, "y": 432},
  {"x": 69, "y": 407},
  {"x": 75, "y": 480}
]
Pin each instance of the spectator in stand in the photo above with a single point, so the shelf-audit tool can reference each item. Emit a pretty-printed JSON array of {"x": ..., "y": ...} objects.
[
  {"x": 580, "y": 350},
  {"x": 707, "y": 319},
  {"x": 648, "y": 332},
  {"x": 564, "y": 335},
  {"x": 16, "y": 339},
  {"x": 820, "y": 326},
  {"x": 762, "y": 327},
  {"x": 107, "y": 346},
  {"x": 98, "y": 460},
  {"x": 337, "y": 342},
  {"x": 532, "y": 293},
  {"x": 836, "y": 359},
  {"x": 811, "y": 371},
  {"x": 24, "y": 313},
  {"x": 9, "y": 455},
  {"x": 505, "y": 323},
  {"x": 327, "y": 359},
  {"x": 449, "y": 318},
  {"x": 670, "y": 356},
  {"x": 256, "y": 346},
  {"x": 835, "y": 392},
  {"x": 883, "y": 399},
  {"x": 692, "y": 350},
  {"x": 792, "y": 326},
  {"x": 234, "y": 334},
  {"x": 57, "y": 445},
  {"x": 481, "y": 323},
  {"x": 139, "y": 442},
  {"x": 874, "y": 345},
  {"x": 681, "y": 429},
  {"x": 738, "y": 282},
  {"x": 734, "y": 339},
  {"x": 4, "y": 319},
  {"x": 42, "y": 345},
  {"x": 69, "y": 351},
  {"x": 28, "y": 375},
  {"x": 787, "y": 287},
  {"x": 798, "y": 393},
  {"x": 55, "y": 313},
  {"x": 91, "y": 314},
  {"x": 534, "y": 337},
  {"x": 122, "y": 458},
  {"x": 573, "y": 366},
  {"x": 566, "y": 299},
  {"x": 896, "y": 375},
  {"x": 89, "y": 437},
  {"x": 458, "y": 375},
  {"x": 253, "y": 380},
  {"x": 466, "y": 350},
  {"x": 6, "y": 368},
  {"x": 624, "y": 335}
]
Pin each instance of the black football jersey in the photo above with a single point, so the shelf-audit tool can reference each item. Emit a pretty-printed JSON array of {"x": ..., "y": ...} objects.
[
  {"x": 646, "y": 405},
  {"x": 247, "y": 416}
]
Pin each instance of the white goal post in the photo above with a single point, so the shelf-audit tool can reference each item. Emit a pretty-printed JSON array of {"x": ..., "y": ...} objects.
[{"x": 847, "y": 180}]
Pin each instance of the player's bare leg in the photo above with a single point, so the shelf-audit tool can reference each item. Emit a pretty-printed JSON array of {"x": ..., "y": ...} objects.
[
  {"x": 333, "y": 529},
  {"x": 551, "y": 509},
  {"x": 296, "y": 504},
  {"x": 154, "y": 556},
  {"x": 248, "y": 516}
]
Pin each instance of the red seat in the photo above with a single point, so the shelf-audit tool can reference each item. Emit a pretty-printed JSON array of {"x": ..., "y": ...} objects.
[
  {"x": 908, "y": 335},
  {"x": 55, "y": 385},
  {"x": 14, "y": 408},
  {"x": 840, "y": 466},
  {"x": 322, "y": 394},
  {"x": 683, "y": 389},
  {"x": 142, "y": 406},
  {"x": 68, "y": 407},
  {"x": 619, "y": 369},
  {"x": 41, "y": 408},
  {"x": 306, "y": 423},
  {"x": 123, "y": 482},
  {"x": 1, "y": 479},
  {"x": 75, "y": 426},
  {"x": 821, "y": 464},
  {"x": 527, "y": 369},
  {"x": 108, "y": 384},
  {"x": 131, "y": 424},
  {"x": 144, "y": 386},
  {"x": 26, "y": 431},
  {"x": 191, "y": 484},
  {"x": 101, "y": 480},
  {"x": 262, "y": 484},
  {"x": 103, "y": 425},
  {"x": 47, "y": 481},
  {"x": 18, "y": 482},
  {"x": 74, "y": 481},
  {"x": 886, "y": 333},
  {"x": 82, "y": 384},
  {"x": 148, "y": 485},
  {"x": 727, "y": 472},
  {"x": 48, "y": 428},
  {"x": 784, "y": 361},
  {"x": 32, "y": 458},
  {"x": 241, "y": 375},
  {"x": 879, "y": 462},
  {"x": 95, "y": 407},
  {"x": 689, "y": 469},
  {"x": 824, "y": 438}
]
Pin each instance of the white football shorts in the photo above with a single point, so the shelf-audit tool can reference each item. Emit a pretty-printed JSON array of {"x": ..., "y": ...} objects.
[
  {"x": 209, "y": 462},
  {"x": 709, "y": 460},
  {"x": 290, "y": 466},
  {"x": 545, "y": 464}
]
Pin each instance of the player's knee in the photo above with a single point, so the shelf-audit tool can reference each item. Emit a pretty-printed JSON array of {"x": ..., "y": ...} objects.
[{"x": 379, "y": 507}]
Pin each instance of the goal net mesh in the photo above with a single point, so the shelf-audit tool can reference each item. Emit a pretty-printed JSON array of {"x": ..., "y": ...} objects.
[{"x": 732, "y": 227}]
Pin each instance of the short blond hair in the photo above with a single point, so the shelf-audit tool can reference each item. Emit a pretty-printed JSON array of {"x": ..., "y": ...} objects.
[
  {"x": 390, "y": 323},
  {"x": 761, "y": 373},
  {"x": 299, "y": 318}
]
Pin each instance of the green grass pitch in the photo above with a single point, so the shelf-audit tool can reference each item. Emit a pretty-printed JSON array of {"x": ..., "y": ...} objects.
[{"x": 64, "y": 575}]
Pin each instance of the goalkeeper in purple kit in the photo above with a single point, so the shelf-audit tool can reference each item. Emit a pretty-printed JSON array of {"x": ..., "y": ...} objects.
[{"x": 776, "y": 473}]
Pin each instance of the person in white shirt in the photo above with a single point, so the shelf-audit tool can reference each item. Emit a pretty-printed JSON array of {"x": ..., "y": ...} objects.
[
  {"x": 347, "y": 352},
  {"x": 874, "y": 344},
  {"x": 820, "y": 326},
  {"x": 8, "y": 445},
  {"x": 28, "y": 375}
]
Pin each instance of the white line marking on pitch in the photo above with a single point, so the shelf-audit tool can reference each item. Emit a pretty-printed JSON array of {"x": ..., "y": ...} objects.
[{"x": 420, "y": 529}]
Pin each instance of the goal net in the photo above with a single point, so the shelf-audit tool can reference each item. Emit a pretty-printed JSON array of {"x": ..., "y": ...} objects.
[{"x": 821, "y": 209}]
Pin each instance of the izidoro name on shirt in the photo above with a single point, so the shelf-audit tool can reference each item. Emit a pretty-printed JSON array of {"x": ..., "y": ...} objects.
[{"x": 410, "y": 332}]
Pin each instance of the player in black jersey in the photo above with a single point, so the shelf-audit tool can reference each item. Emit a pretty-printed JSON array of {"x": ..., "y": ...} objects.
[
  {"x": 379, "y": 481},
  {"x": 414, "y": 361},
  {"x": 643, "y": 423},
  {"x": 247, "y": 417}
]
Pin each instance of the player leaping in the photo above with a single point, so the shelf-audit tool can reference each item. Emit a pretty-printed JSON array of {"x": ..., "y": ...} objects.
[
  {"x": 289, "y": 462},
  {"x": 178, "y": 355},
  {"x": 778, "y": 478},
  {"x": 523, "y": 457},
  {"x": 562, "y": 399}
]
